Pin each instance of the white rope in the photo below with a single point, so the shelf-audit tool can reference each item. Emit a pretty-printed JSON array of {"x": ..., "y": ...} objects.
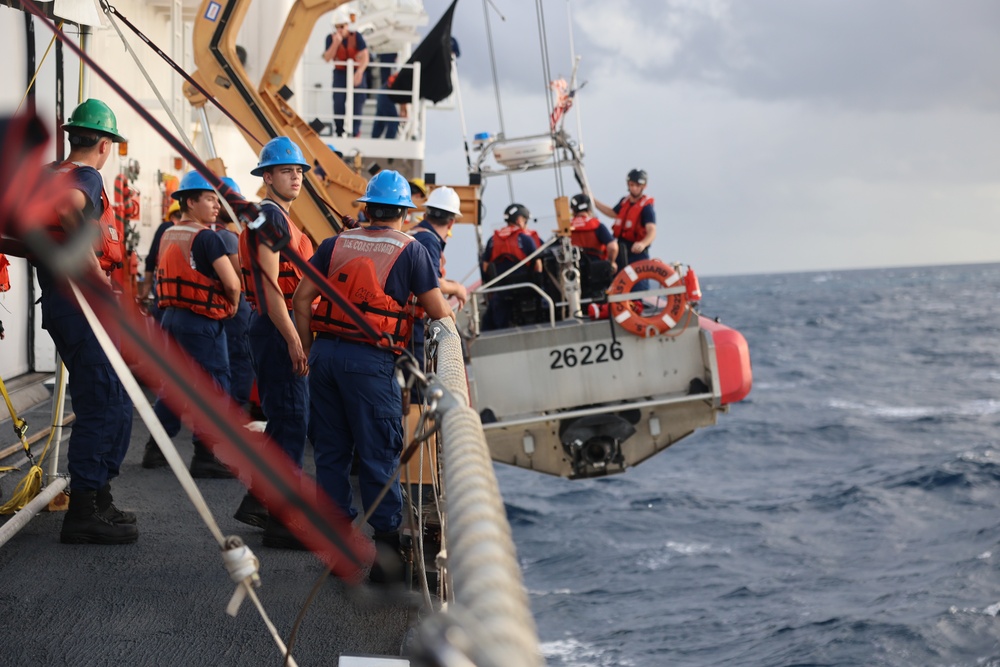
[{"x": 166, "y": 445}]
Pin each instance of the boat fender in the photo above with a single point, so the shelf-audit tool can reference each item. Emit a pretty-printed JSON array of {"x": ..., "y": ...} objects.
[
  {"x": 692, "y": 286},
  {"x": 628, "y": 314}
]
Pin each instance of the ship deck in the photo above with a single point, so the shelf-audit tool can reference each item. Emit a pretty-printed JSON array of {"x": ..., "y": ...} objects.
[{"x": 162, "y": 600}]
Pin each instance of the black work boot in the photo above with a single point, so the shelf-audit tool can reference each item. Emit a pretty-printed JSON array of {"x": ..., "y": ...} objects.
[
  {"x": 388, "y": 567},
  {"x": 106, "y": 506},
  {"x": 277, "y": 536},
  {"x": 85, "y": 525},
  {"x": 153, "y": 457},
  {"x": 205, "y": 466},
  {"x": 251, "y": 512}
]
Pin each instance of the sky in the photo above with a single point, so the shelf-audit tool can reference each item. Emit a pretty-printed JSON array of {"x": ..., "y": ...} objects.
[{"x": 778, "y": 135}]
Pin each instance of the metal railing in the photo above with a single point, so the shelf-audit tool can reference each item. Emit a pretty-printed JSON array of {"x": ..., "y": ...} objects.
[{"x": 319, "y": 99}]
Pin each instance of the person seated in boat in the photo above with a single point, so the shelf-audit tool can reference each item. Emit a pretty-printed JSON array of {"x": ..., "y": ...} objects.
[
  {"x": 635, "y": 222},
  {"x": 507, "y": 247},
  {"x": 598, "y": 245}
]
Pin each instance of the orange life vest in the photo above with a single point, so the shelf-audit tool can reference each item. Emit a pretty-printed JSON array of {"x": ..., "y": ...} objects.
[
  {"x": 359, "y": 266},
  {"x": 628, "y": 226},
  {"x": 505, "y": 245},
  {"x": 110, "y": 249},
  {"x": 4, "y": 274},
  {"x": 347, "y": 49},
  {"x": 179, "y": 284},
  {"x": 584, "y": 231},
  {"x": 289, "y": 276}
]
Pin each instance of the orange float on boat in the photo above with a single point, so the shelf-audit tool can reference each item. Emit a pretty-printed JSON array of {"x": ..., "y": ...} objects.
[{"x": 628, "y": 314}]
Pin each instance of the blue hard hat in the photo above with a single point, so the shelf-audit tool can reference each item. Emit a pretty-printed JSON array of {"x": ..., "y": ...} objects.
[
  {"x": 192, "y": 181},
  {"x": 332, "y": 147},
  {"x": 279, "y": 151},
  {"x": 228, "y": 180},
  {"x": 388, "y": 187}
]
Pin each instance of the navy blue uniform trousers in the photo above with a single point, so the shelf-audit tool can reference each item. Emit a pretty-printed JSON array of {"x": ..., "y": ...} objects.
[
  {"x": 103, "y": 425},
  {"x": 284, "y": 396},
  {"x": 204, "y": 339},
  {"x": 238, "y": 342},
  {"x": 356, "y": 404}
]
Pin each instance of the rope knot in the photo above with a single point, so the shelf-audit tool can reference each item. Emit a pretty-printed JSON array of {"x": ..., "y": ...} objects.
[{"x": 243, "y": 567}]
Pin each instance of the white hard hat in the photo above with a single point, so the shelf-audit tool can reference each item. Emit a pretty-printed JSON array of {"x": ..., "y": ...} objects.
[
  {"x": 340, "y": 15},
  {"x": 446, "y": 199}
]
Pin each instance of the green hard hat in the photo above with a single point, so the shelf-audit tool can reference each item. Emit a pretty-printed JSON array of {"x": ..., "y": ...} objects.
[{"x": 95, "y": 115}]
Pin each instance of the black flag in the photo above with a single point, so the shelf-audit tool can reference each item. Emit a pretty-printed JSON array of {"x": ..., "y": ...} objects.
[{"x": 434, "y": 56}]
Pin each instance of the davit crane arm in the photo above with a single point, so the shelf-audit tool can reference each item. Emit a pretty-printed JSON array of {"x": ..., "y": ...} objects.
[{"x": 265, "y": 112}]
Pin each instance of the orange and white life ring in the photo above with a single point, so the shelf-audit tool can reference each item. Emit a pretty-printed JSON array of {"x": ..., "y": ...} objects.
[{"x": 628, "y": 314}]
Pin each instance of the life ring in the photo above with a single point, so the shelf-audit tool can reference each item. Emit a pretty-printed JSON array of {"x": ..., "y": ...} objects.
[{"x": 628, "y": 314}]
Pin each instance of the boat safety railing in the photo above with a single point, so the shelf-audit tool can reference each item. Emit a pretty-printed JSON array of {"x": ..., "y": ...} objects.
[
  {"x": 503, "y": 288},
  {"x": 488, "y": 620},
  {"x": 600, "y": 410},
  {"x": 318, "y": 99}
]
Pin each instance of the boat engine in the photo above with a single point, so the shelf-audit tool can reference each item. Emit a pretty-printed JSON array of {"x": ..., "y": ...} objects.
[{"x": 594, "y": 443}]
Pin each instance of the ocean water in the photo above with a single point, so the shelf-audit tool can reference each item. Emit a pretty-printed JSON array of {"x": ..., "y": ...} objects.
[{"x": 846, "y": 513}]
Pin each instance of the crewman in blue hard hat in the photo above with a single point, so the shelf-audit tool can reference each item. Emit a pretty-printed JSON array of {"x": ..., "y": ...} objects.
[
  {"x": 198, "y": 288},
  {"x": 278, "y": 358},
  {"x": 355, "y": 403},
  {"x": 103, "y": 426}
]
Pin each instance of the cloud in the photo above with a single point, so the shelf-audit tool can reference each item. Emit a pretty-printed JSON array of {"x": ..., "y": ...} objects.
[{"x": 886, "y": 55}]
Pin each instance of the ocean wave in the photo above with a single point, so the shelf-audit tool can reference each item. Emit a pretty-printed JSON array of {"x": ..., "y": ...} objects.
[
  {"x": 572, "y": 652},
  {"x": 976, "y": 408}
]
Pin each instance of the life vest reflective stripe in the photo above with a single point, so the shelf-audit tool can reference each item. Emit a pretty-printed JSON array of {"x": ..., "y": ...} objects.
[
  {"x": 584, "y": 231},
  {"x": 179, "y": 284},
  {"x": 4, "y": 274},
  {"x": 628, "y": 225},
  {"x": 505, "y": 244},
  {"x": 347, "y": 49},
  {"x": 110, "y": 249},
  {"x": 359, "y": 267},
  {"x": 289, "y": 276},
  {"x": 628, "y": 314}
]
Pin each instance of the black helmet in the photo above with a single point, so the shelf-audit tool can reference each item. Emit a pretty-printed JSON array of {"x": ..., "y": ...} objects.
[
  {"x": 580, "y": 203},
  {"x": 514, "y": 211},
  {"x": 637, "y": 176}
]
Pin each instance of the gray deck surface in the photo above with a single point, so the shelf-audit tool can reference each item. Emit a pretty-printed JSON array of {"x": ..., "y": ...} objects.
[{"x": 162, "y": 600}]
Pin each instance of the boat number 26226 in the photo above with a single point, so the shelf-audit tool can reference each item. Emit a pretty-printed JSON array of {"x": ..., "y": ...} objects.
[{"x": 585, "y": 355}]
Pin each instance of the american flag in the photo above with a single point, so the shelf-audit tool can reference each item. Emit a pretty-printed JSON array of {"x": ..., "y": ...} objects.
[{"x": 564, "y": 100}]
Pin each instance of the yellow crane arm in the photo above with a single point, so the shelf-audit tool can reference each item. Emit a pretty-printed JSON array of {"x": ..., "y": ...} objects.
[{"x": 264, "y": 110}]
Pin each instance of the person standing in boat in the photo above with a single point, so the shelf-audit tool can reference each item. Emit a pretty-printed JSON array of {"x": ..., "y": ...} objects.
[
  {"x": 508, "y": 246},
  {"x": 342, "y": 45},
  {"x": 590, "y": 234},
  {"x": 198, "y": 288},
  {"x": 103, "y": 426},
  {"x": 635, "y": 220},
  {"x": 355, "y": 403},
  {"x": 278, "y": 356}
]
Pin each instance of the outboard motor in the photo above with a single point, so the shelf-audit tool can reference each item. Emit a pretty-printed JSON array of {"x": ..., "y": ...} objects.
[{"x": 594, "y": 443}]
